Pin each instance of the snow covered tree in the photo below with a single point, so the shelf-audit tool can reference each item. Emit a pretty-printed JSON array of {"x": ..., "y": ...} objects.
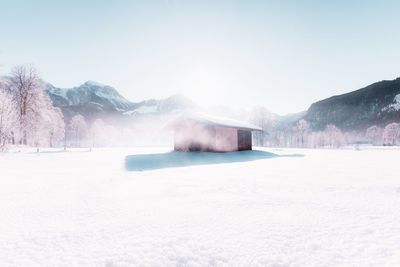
[
  {"x": 39, "y": 122},
  {"x": 334, "y": 136},
  {"x": 113, "y": 135},
  {"x": 353, "y": 137},
  {"x": 391, "y": 134},
  {"x": 286, "y": 136},
  {"x": 3, "y": 85},
  {"x": 374, "y": 135},
  {"x": 79, "y": 129},
  {"x": 30, "y": 101},
  {"x": 8, "y": 118},
  {"x": 301, "y": 131},
  {"x": 316, "y": 139},
  {"x": 127, "y": 137},
  {"x": 97, "y": 133},
  {"x": 261, "y": 117},
  {"x": 49, "y": 128},
  {"x": 55, "y": 127}
]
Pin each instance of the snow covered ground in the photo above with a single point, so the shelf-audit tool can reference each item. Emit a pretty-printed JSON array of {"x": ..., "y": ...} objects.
[{"x": 278, "y": 208}]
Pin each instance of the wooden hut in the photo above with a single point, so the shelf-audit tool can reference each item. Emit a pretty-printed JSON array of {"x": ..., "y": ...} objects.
[{"x": 201, "y": 132}]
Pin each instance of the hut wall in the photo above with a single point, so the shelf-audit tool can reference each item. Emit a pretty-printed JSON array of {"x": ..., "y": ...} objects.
[
  {"x": 226, "y": 139},
  {"x": 195, "y": 137}
]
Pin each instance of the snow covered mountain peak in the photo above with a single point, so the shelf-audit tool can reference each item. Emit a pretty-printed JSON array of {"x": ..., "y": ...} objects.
[
  {"x": 93, "y": 99},
  {"x": 88, "y": 98},
  {"x": 394, "y": 106},
  {"x": 93, "y": 83}
]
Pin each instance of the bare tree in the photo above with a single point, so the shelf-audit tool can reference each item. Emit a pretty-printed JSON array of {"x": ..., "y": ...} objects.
[
  {"x": 27, "y": 89},
  {"x": 96, "y": 131},
  {"x": 78, "y": 129},
  {"x": 302, "y": 130},
  {"x": 8, "y": 118},
  {"x": 374, "y": 135},
  {"x": 113, "y": 135},
  {"x": 334, "y": 136},
  {"x": 316, "y": 139},
  {"x": 127, "y": 137},
  {"x": 261, "y": 117},
  {"x": 391, "y": 134},
  {"x": 55, "y": 126}
]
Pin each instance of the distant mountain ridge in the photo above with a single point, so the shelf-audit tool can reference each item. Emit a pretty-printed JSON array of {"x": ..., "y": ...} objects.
[
  {"x": 375, "y": 104},
  {"x": 88, "y": 97},
  {"x": 378, "y": 103},
  {"x": 93, "y": 99}
]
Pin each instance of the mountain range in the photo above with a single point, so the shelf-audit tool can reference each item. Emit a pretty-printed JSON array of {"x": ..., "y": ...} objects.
[
  {"x": 94, "y": 100},
  {"x": 378, "y": 103},
  {"x": 375, "y": 104}
]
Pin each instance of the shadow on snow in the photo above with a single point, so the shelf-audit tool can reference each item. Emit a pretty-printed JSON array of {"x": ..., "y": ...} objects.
[{"x": 174, "y": 159}]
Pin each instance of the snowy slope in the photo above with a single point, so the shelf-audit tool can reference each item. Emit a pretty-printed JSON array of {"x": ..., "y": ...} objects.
[
  {"x": 173, "y": 104},
  {"x": 93, "y": 99},
  {"x": 106, "y": 97},
  {"x": 144, "y": 109},
  {"x": 395, "y": 105},
  {"x": 327, "y": 208},
  {"x": 373, "y": 104}
]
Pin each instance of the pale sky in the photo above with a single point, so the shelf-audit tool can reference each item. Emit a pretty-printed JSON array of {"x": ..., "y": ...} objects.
[{"x": 280, "y": 54}]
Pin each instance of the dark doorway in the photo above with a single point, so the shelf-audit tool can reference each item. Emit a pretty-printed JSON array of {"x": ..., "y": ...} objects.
[{"x": 244, "y": 140}]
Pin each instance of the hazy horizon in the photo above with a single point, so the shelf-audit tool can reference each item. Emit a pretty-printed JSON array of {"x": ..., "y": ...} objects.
[{"x": 283, "y": 55}]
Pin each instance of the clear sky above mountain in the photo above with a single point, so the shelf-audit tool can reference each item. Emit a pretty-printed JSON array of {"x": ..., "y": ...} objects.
[{"x": 280, "y": 54}]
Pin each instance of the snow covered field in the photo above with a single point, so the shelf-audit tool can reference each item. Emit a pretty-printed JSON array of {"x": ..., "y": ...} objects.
[{"x": 288, "y": 208}]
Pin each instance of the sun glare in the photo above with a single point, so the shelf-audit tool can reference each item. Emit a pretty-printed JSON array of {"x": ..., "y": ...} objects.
[{"x": 205, "y": 83}]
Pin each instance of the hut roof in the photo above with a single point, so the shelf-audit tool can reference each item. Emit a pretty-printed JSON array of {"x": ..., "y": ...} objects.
[{"x": 215, "y": 120}]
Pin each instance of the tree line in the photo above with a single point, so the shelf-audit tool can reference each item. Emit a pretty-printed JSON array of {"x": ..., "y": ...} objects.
[
  {"x": 28, "y": 117},
  {"x": 301, "y": 134}
]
